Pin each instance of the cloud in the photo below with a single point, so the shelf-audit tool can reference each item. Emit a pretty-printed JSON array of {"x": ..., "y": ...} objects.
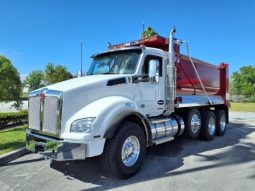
[
  {"x": 23, "y": 77},
  {"x": 10, "y": 53}
]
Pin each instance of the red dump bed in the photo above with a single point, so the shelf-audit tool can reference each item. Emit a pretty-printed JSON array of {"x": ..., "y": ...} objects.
[{"x": 214, "y": 78}]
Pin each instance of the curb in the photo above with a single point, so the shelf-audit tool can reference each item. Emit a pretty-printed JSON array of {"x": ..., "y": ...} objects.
[{"x": 13, "y": 155}]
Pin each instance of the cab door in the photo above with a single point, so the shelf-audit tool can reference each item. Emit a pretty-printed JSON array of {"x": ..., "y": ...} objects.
[{"x": 151, "y": 92}]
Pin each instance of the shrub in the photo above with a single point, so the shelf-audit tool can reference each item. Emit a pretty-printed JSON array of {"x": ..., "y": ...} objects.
[{"x": 13, "y": 117}]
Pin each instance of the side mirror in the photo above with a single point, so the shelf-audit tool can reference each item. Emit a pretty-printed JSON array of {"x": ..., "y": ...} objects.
[{"x": 153, "y": 71}]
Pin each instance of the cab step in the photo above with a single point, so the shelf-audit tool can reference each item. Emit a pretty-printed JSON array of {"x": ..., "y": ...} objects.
[{"x": 162, "y": 140}]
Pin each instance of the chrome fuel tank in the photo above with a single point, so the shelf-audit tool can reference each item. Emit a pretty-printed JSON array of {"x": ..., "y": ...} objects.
[{"x": 166, "y": 127}]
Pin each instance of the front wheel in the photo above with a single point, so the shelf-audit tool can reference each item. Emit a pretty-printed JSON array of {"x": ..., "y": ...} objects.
[{"x": 123, "y": 154}]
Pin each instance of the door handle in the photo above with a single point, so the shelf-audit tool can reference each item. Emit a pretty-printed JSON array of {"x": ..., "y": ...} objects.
[{"x": 160, "y": 102}]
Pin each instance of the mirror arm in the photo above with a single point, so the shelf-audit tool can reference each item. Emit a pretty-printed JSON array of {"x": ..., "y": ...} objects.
[{"x": 140, "y": 78}]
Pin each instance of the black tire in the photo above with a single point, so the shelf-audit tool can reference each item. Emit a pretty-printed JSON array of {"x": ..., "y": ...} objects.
[
  {"x": 193, "y": 124},
  {"x": 111, "y": 159},
  {"x": 221, "y": 123},
  {"x": 208, "y": 130}
]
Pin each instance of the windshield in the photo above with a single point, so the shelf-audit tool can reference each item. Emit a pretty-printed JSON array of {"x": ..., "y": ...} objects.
[{"x": 118, "y": 62}]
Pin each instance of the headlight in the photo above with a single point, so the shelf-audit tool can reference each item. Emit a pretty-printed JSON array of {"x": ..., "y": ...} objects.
[{"x": 82, "y": 125}]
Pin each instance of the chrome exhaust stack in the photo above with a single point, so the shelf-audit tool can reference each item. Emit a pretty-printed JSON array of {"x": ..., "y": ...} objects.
[
  {"x": 171, "y": 47},
  {"x": 171, "y": 75}
]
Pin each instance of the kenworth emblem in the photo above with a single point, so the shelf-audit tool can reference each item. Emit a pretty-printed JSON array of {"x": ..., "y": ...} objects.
[{"x": 42, "y": 97}]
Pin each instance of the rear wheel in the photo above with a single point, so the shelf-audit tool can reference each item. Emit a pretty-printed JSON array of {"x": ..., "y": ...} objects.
[
  {"x": 209, "y": 126},
  {"x": 221, "y": 122},
  {"x": 124, "y": 153},
  {"x": 193, "y": 124}
]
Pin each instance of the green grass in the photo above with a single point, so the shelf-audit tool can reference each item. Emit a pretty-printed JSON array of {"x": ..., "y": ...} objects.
[
  {"x": 11, "y": 139},
  {"x": 242, "y": 107}
]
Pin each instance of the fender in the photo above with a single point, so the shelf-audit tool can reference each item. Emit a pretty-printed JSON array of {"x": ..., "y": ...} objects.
[
  {"x": 108, "y": 113},
  {"x": 125, "y": 115}
]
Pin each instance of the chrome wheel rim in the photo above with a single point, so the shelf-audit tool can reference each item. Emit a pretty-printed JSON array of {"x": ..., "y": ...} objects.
[
  {"x": 223, "y": 123},
  {"x": 195, "y": 123},
  {"x": 130, "y": 151},
  {"x": 211, "y": 126}
]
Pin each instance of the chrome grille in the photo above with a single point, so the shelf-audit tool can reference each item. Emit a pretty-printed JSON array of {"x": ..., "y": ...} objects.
[
  {"x": 50, "y": 114},
  {"x": 34, "y": 113},
  {"x": 45, "y": 108}
]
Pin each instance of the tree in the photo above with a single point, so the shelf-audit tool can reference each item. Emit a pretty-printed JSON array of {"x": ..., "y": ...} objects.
[
  {"x": 243, "y": 82},
  {"x": 10, "y": 84},
  {"x": 149, "y": 32},
  {"x": 35, "y": 80},
  {"x": 54, "y": 74}
]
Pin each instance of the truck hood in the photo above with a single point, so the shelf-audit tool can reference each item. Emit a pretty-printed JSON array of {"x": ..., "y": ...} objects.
[
  {"x": 80, "y": 92},
  {"x": 92, "y": 80}
]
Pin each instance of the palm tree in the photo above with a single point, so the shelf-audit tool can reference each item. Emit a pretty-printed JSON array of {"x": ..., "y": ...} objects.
[{"x": 149, "y": 32}]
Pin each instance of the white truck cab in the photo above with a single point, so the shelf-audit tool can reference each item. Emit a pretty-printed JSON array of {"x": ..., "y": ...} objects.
[{"x": 125, "y": 103}]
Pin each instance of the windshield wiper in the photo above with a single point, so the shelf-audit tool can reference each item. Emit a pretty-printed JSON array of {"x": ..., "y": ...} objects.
[{"x": 108, "y": 73}]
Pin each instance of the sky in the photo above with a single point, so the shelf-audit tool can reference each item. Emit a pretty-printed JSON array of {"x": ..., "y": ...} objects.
[{"x": 34, "y": 33}]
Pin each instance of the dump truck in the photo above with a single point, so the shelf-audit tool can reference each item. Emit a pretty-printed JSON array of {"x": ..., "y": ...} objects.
[{"x": 135, "y": 95}]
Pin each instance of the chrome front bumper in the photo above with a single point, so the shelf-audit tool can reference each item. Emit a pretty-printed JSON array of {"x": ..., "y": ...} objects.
[{"x": 54, "y": 148}]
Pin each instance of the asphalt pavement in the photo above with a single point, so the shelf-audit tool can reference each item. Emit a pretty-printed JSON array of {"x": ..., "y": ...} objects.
[{"x": 226, "y": 163}]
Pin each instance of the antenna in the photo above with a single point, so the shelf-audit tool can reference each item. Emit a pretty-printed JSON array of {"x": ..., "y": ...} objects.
[
  {"x": 143, "y": 28},
  {"x": 81, "y": 58}
]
